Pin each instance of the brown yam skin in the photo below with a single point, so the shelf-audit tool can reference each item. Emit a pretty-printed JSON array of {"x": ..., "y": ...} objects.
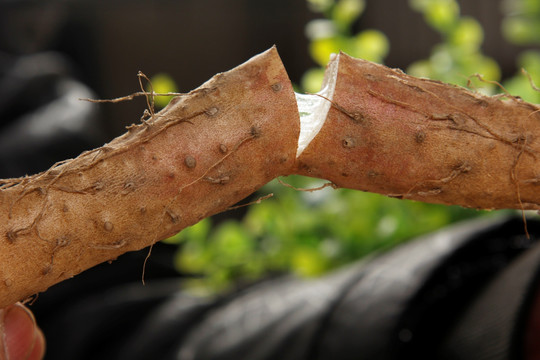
[
  {"x": 203, "y": 153},
  {"x": 412, "y": 138}
]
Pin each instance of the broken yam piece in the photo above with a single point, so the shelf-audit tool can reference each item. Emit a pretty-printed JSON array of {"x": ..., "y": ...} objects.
[
  {"x": 204, "y": 152},
  {"x": 419, "y": 139}
]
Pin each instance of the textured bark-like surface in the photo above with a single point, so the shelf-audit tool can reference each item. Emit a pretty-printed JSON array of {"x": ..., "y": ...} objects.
[
  {"x": 413, "y": 138},
  {"x": 201, "y": 154}
]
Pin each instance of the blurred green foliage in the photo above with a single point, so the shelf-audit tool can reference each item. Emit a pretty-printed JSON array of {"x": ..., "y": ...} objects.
[
  {"x": 306, "y": 233},
  {"x": 519, "y": 84},
  {"x": 522, "y": 23},
  {"x": 334, "y": 33},
  {"x": 521, "y": 26},
  {"x": 310, "y": 233},
  {"x": 162, "y": 84},
  {"x": 459, "y": 55}
]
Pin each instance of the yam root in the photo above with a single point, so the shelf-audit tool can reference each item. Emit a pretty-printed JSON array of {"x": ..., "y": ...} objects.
[
  {"x": 420, "y": 139},
  {"x": 204, "y": 152},
  {"x": 384, "y": 132}
]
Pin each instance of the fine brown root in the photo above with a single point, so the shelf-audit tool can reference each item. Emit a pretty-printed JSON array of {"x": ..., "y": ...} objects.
[
  {"x": 491, "y": 82},
  {"x": 254, "y": 202},
  {"x": 328, "y": 184},
  {"x": 149, "y": 112},
  {"x": 149, "y": 98},
  {"x": 514, "y": 176},
  {"x": 30, "y": 300},
  {"x": 145, "y": 262},
  {"x": 354, "y": 117},
  {"x": 534, "y": 87},
  {"x": 433, "y": 186},
  {"x": 131, "y": 97},
  {"x": 531, "y": 82}
]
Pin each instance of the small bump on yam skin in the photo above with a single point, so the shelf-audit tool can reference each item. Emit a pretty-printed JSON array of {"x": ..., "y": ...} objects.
[
  {"x": 108, "y": 226},
  {"x": 190, "y": 161}
]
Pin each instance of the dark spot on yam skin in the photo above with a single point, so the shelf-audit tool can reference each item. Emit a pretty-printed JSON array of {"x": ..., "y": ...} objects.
[
  {"x": 223, "y": 148},
  {"x": 11, "y": 236},
  {"x": 128, "y": 187},
  {"x": 175, "y": 218},
  {"x": 46, "y": 270},
  {"x": 255, "y": 131},
  {"x": 190, "y": 161},
  {"x": 372, "y": 174},
  {"x": 277, "y": 87},
  {"x": 419, "y": 137},
  {"x": 348, "y": 142},
  {"x": 482, "y": 102},
  {"x": 303, "y": 166}
]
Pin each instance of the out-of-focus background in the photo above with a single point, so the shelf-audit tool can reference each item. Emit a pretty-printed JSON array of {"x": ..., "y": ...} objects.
[{"x": 53, "y": 52}]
